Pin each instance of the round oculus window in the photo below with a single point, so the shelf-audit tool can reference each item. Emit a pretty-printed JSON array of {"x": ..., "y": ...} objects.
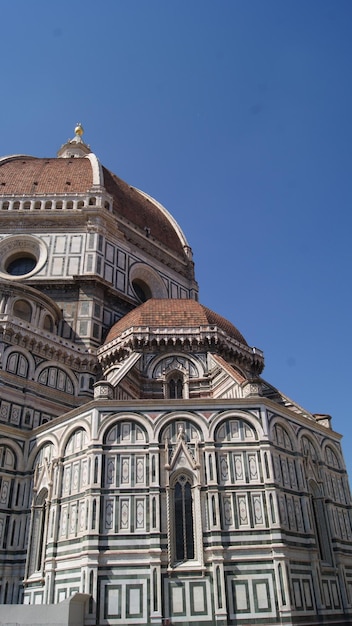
[
  {"x": 21, "y": 257},
  {"x": 141, "y": 290},
  {"x": 21, "y": 265}
]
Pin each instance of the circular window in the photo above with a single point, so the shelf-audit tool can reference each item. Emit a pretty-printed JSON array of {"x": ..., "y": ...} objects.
[
  {"x": 21, "y": 265},
  {"x": 21, "y": 257},
  {"x": 146, "y": 283},
  {"x": 141, "y": 290}
]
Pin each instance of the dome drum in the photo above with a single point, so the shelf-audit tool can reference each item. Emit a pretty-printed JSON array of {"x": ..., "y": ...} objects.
[{"x": 161, "y": 325}]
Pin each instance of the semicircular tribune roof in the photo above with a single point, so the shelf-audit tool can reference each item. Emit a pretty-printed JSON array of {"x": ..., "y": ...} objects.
[{"x": 173, "y": 313}]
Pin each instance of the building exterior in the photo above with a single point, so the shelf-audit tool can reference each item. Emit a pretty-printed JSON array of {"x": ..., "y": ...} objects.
[{"x": 146, "y": 467}]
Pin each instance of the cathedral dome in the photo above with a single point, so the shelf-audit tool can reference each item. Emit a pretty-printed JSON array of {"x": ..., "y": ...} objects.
[
  {"x": 173, "y": 314},
  {"x": 77, "y": 171}
]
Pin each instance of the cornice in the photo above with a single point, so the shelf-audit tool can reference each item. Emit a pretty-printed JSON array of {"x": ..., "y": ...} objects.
[
  {"x": 50, "y": 347},
  {"x": 202, "y": 339},
  {"x": 209, "y": 405}
]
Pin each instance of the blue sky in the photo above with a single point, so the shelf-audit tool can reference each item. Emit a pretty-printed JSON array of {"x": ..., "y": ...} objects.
[{"x": 236, "y": 115}]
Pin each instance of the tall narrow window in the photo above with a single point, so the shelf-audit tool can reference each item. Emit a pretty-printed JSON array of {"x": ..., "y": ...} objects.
[
  {"x": 176, "y": 387},
  {"x": 184, "y": 539},
  {"x": 320, "y": 522},
  {"x": 36, "y": 552}
]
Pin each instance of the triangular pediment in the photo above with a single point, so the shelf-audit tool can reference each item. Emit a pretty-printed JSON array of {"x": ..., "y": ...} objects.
[{"x": 182, "y": 457}]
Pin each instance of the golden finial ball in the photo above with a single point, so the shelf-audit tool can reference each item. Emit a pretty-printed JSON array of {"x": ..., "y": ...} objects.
[{"x": 79, "y": 130}]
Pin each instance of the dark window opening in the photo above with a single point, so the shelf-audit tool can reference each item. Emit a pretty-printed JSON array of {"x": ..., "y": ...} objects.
[
  {"x": 141, "y": 290},
  {"x": 184, "y": 540},
  {"x": 21, "y": 265},
  {"x": 175, "y": 388},
  {"x": 23, "y": 310},
  {"x": 48, "y": 324}
]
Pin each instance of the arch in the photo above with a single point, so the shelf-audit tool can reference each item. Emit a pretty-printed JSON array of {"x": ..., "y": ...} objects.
[
  {"x": 112, "y": 420},
  {"x": 48, "y": 323},
  {"x": 8, "y": 459},
  {"x": 170, "y": 431},
  {"x": 16, "y": 450},
  {"x": 235, "y": 430},
  {"x": 60, "y": 378},
  {"x": 21, "y": 256},
  {"x": 17, "y": 363},
  {"x": 332, "y": 457},
  {"x": 248, "y": 417},
  {"x": 199, "y": 423},
  {"x": 125, "y": 431},
  {"x": 161, "y": 365},
  {"x": 309, "y": 447},
  {"x": 26, "y": 355},
  {"x": 76, "y": 442},
  {"x": 81, "y": 425},
  {"x": 148, "y": 280},
  {"x": 41, "y": 497},
  {"x": 23, "y": 309},
  {"x": 44, "y": 452},
  {"x": 282, "y": 436}
]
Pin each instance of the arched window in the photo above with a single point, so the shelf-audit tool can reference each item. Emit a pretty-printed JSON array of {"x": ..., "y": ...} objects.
[
  {"x": 320, "y": 523},
  {"x": 56, "y": 378},
  {"x": 331, "y": 458},
  {"x": 35, "y": 552},
  {"x": 17, "y": 364},
  {"x": 183, "y": 519},
  {"x": 23, "y": 310},
  {"x": 48, "y": 323},
  {"x": 175, "y": 386},
  {"x": 7, "y": 458},
  {"x": 309, "y": 449}
]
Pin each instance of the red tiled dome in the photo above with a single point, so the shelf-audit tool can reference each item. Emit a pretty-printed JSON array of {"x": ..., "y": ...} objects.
[
  {"x": 173, "y": 313},
  {"x": 144, "y": 213},
  {"x": 30, "y": 176}
]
